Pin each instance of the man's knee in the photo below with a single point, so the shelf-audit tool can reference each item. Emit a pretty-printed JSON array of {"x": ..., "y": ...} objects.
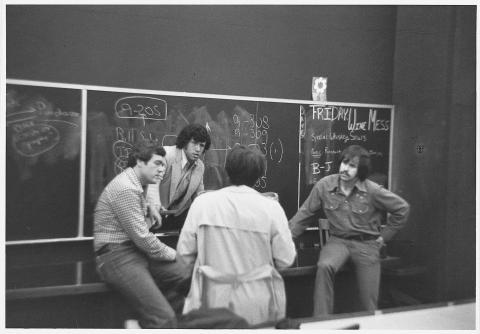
[
  {"x": 181, "y": 279},
  {"x": 325, "y": 265}
]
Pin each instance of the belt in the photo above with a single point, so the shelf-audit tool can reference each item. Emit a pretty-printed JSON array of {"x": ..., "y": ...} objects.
[
  {"x": 359, "y": 237},
  {"x": 106, "y": 248}
]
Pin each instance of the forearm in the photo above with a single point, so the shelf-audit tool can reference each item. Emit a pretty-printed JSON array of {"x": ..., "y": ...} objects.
[
  {"x": 398, "y": 210},
  {"x": 149, "y": 244},
  {"x": 156, "y": 249},
  {"x": 303, "y": 218},
  {"x": 395, "y": 222},
  {"x": 300, "y": 221},
  {"x": 132, "y": 219}
]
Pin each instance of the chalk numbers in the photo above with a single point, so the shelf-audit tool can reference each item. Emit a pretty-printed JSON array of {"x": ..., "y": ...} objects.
[{"x": 252, "y": 130}]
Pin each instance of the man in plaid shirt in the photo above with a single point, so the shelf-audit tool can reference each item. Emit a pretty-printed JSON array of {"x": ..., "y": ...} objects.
[{"x": 128, "y": 256}]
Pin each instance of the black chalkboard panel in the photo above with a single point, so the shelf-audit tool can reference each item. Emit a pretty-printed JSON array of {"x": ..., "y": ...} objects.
[
  {"x": 42, "y": 162},
  {"x": 116, "y": 120},
  {"x": 44, "y": 129},
  {"x": 327, "y": 129}
]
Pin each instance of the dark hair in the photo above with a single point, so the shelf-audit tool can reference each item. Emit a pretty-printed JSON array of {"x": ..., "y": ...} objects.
[
  {"x": 364, "y": 166},
  {"x": 245, "y": 165},
  {"x": 196, "y": 131},
  {"x": 143, "y": 150}
]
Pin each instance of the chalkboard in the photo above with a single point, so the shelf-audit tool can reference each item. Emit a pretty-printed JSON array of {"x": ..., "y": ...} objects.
[
  {"x": 46, "y": 191},
  {"x": 116, "y": 120},
  {"x": 327, "y": 129},
  {"x": 42, "y": 161}
]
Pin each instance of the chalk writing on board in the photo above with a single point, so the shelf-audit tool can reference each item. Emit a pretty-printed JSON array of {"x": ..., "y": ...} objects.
[
  {"x": 43, "y": 145},
  {"x": 27, "y": 118},
  {"x": 250, "y": 127},
  {"x": 116, "y": 121},
  {"x": 318, "y": 168},
  {"x": 121, "y": 150},
  {"x": 349, "y": 115},
  {"x": 276, "y": 151},
  {"x": 125, "y": 138},
  {"x": 31, "y": 139},
  {"x": 143, "y": 107},
  {"x": 329, "y": 129}
]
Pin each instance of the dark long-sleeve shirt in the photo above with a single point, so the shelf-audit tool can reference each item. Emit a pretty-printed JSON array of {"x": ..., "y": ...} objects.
[{"x": 359, "y": 213}]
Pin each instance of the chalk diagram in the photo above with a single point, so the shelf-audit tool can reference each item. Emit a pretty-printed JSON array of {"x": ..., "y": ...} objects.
[{"x": 32, "y": 136}]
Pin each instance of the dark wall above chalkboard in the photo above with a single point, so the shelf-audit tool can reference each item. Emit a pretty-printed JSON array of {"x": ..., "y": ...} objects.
[{"x": 46, "y": 190}]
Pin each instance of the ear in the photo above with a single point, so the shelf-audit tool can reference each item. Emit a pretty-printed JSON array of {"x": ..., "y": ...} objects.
[{"x": 140, "y": 162}]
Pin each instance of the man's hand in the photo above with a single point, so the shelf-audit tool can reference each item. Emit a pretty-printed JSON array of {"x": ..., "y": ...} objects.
[
  {"x": 380, "y": 241},
  {"x": 162, "y": 211},
  {"x": 157, "y": 219}
]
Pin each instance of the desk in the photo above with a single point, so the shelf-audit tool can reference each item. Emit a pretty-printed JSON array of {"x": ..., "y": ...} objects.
[{"x": 427, "y": 317}]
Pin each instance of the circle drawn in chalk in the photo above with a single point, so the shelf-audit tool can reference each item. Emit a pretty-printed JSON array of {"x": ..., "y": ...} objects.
[{"x": 35, "y": 140}]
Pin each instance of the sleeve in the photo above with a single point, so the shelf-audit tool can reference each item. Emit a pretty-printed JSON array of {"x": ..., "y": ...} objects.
[
  {"x": 309, "y": 208},
  {"x": 187, "y": 247},
  {"x": 397, "y": 208},
  {"x": 283, "y": 248},
  {"x": 200, "y": 187},
  {"x": 128, "y": 208}
]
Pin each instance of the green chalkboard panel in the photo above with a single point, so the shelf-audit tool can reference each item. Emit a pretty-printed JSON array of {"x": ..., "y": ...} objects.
[
  {"x": 115, "y": 120},
  {"x": 42, "y": 161}
]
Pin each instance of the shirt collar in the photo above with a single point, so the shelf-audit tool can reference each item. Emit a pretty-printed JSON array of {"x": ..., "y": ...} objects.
[
  {"x": 333, "y": 184},
  {"x": 184, "y": 159},
  {"x": 134, "y": 178},
  {"x": 240, "y": 189}
]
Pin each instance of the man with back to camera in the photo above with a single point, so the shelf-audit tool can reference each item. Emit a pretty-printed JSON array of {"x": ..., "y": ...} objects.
[
  {"x": 353, "y": 206},
  {"x": 236, "y": 238},
  {"x": 128, "y": 256},
  {"x": 183, "y": 179}
]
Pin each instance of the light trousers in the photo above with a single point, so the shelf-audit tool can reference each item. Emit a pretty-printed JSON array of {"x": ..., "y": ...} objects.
[{"x": 365, "y": 257}]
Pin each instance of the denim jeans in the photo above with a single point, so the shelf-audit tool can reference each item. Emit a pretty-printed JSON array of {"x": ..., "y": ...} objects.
[
  {"x": 155, "y": 289},
  {"x": 365, "y": 256}
]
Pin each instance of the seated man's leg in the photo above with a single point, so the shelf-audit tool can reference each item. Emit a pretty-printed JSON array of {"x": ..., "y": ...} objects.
[
  {"x": 126, "y": 269},
  {"x": 332, "y": 257},
  {"x": 366, "y": 259},
  {"x": 173, "y": 279}
]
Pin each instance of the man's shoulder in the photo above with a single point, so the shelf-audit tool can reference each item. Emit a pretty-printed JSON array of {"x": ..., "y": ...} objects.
[
  {"x": 328, "y": 181},
  {"x": 372, "y": 186},
  {"x": 122, "y": 181},
  {"x": 171, "y": 151},
  {"x": 210, "y": 194}
]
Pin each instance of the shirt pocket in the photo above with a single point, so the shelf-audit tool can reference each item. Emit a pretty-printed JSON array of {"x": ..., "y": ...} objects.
[
  {"x": 360, "y": 204},
  {"x": 332, "y": 203}
]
